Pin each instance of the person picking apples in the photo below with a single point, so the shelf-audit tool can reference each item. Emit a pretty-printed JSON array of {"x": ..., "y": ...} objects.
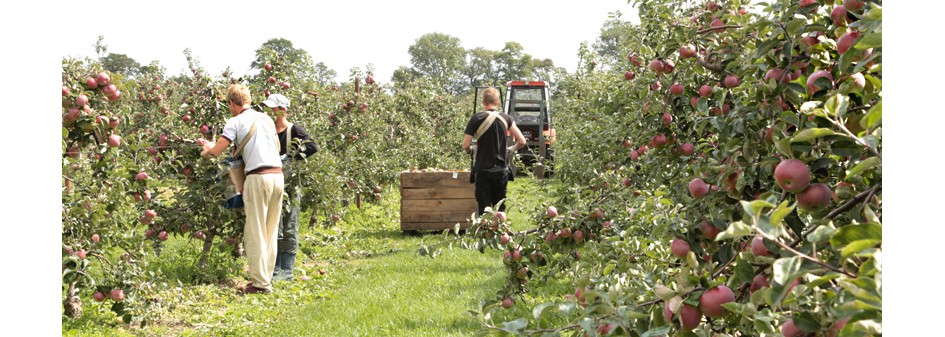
[
  {"x": 264, "y": 185},
  {"x": 298, "y": 147}
]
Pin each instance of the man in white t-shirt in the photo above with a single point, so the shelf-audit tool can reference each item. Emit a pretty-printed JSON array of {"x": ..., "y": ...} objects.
[{"x": 264, "y": 185}]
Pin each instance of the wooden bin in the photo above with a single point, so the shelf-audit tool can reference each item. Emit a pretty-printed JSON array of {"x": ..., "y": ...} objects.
[{"x": 436, "y": 200}]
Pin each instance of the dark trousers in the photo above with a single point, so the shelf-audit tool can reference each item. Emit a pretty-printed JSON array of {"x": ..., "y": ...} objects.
[{"x": 490, "y": 188}]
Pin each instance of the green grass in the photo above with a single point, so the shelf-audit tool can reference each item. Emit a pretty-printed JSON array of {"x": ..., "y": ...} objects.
[{"x": 374, "y": 284}]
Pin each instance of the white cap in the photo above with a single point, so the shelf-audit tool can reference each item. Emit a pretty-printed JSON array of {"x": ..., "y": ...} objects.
[{"x": 276, "y": 100}]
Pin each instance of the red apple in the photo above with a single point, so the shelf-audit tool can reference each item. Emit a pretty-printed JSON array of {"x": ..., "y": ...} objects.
[
  {"x": 811, "y": 81},
  {"x": 606, "y": 328},
  {"x": 517, "y": 255},
  {"x": 839, "y": 16},
  {"x": 810, "y": 40},
  {"x": 268, "y": 67},
  {"x": 656, "y": 66},
  {"x": 204, "y": 129},
  {"x": 98, "y": 296},
  {"x": 846, "y": 41},
  {"x": 504, "y": 239},
  {"x": 711, "y": 301},
  {"x": 141, "y": 176},
  {"x": 676, "y": 89},
  {"x": 634, "y": 155},
  {"x": 285, "y": 85},
  {"x": 705, "y": 91},
  {"x": 731, "y": 81},
  {"x": 91, "y": 83},
  {"x": 687, "y": 149},
  {"x": 564, "y": 233},
  {"x": 552, "y": 212},
  {"x": 759, "y": 282},
  {"x": 679, "y": 248},
  {"x": 667, "y": 119},
  {"x": 758, "y": 247},
  {"x": 114, "y": 141},
  {"x": 199, "y": 235},
  {"x": 853, "y": 5},
  {"x": 690, "y": 315},
  {"x": 151, "y": 214},
  {"x": 655, "y": 86},
  {"x": 629, "y": 75},
  {"x": 82, "y": 100},
  {"x": 694, "y": 101},
  {"x": 162, "y": 236},
  {"x": 117, "y": 295},
  {"x": 788, "y": 329},
  {"x": 717, "y": 24},
  {"x": 659, "y": 140},
  {"x": 551, "y": 237},
  {"x": 815, "y": 197},
  {"x": 81, "y": 254},
  {"x": 687, "y": 51},
  {"x": 507, "y": 303},
  {"x": 698, "y": 188},
  {"x": 522, "y": 273},
  {"x": 792, "y": 175},
  {"x": 708, "y": 230},
  {"x": 186, "y": 118},
  {"x": 668, "y": 66},
  {"x": 858, "y": 80},
  {"x": 272, "y": 79},
  {"x": 103, "y": 79},
  {"x": 805, "y": 3},
  {"x": 113, "y": 123}
]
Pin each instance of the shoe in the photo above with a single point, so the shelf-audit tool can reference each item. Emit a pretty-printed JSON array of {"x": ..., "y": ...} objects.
[{"x": 250, "y": 289}]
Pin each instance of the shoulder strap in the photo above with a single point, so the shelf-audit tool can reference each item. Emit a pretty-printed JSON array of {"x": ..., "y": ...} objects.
[
  {"x": 252, "y": 130},
  {"x": 288, "y": 137},
  {"x": 487, "y": 123}
]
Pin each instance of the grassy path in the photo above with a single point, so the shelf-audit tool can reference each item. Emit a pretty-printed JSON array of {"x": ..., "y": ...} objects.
[{"x": 374, "y": 284}]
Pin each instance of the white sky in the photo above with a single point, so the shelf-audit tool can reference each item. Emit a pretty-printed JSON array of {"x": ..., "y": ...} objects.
[{"x": 342, "y": 34}]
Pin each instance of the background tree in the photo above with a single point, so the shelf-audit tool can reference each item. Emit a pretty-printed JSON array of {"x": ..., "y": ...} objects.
[
  {"x": 512, "y": 63},
  {"x": 440, "y": 57},
  {"x": 121, "y": 63}
]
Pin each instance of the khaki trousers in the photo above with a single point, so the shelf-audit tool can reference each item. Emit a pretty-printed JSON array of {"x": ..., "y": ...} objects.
[{"x": 262, "y": 196}]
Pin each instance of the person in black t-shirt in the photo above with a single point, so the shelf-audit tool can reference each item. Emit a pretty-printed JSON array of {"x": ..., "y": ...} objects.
[
  {"x": 491, "y": 169},
  {"x": 288, "y": 242}
]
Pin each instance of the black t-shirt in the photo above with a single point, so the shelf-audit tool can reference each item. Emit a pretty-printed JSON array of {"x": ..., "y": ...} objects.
[
  {"x": 308, "y": 144},
  {"x": 491, "y": 146}
]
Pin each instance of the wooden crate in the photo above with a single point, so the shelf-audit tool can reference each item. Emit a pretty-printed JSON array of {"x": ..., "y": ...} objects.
[{"x": 436, "y": 200}]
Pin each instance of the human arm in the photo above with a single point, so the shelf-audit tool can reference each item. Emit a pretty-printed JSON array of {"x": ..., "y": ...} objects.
[
  {"x": 308, "y": 147},
  {"x": 211, "y": 150},
  {"x": 517, "y": 135},
  {"x": 466, "y": 143}
]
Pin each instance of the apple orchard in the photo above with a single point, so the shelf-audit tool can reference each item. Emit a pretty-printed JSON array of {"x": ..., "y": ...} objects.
[{"x": 717, "y": 172}]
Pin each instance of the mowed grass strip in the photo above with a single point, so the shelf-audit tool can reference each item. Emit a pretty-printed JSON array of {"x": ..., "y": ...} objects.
[{"x": 403, "y": 294}]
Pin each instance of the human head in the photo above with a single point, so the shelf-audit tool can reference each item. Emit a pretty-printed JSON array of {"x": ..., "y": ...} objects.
[
  {"x": 278, "y": 103},
  {"x": 490, "y": 97},
  {"x": 238, "y": 97}
]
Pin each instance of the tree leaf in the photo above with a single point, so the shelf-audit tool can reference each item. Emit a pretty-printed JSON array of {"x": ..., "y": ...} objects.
[
  {"x": 735, "y": 230},
  {"x": 867, "y": 164},
  {"x": 658, "y": 331},
  {"x": 848, "y": 234},
  {"x": 515, "y": 326},
  {"x": 874, "y": 117},
  {"x": 837, "y": 104},
  {"x": 778, "y": 215},
  {"x": 871, "y": 40},
  {"x": 811, "y": 134},
  {"x": 539, "y": 309},
  {"x": 744, "y": 309},
  {"x": 786, "y": 269},
  {"x": 663, "y": 292},
  {"x": 858, "y": 246}
]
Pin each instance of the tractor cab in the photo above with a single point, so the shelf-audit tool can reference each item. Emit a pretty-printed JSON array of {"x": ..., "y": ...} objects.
[{"x": 528, "y": 104}]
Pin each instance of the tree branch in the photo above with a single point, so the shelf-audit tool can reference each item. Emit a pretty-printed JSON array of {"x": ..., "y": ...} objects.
[{"x": 713, "y": 29}]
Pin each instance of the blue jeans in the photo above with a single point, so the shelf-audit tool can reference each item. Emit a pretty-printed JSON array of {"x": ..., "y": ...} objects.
[{"x": 288, "y": 242}]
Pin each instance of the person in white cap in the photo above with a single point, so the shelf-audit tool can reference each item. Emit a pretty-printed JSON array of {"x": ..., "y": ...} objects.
[
  {"x": 264, "y": 185},
  {"x": 299, "y": 147}
]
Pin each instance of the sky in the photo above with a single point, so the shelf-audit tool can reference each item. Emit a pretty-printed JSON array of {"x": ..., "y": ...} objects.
[{"x": 342, "y": 34}]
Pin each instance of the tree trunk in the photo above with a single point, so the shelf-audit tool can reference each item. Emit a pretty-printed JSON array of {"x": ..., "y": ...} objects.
[
  {"x": 358, "y": 200},
  {"x": 314, "y": 219},
  {"x": 72, "y": 303},
  {"x": 207, "y": 245}
]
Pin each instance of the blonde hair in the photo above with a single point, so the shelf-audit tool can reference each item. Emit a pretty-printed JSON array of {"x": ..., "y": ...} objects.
[
  {"x": 490, "y": 96},
  {"x": 239, "y": 95}
]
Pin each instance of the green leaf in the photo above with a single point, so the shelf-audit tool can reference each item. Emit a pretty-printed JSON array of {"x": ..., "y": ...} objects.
[
  {"x": 744, "y": 309},
  {"x": 755, "y": 207},
  {"x": 794, "y": 27},
  {"x": 872, "y": 40},
  {"x": 874, "y": 117},
  {"x": 867, "y": 164},
  {"x": 663, "y": 292},
  {"x": 787, "y": 269},
  {"x": 875, "y": 13},
  {"x": 539, "y": 309},
  {"x": 784, "y": 147},
  {"x": 848, "y": 234},
  {"x": 811, "y": 134},
  {"x": 837, "y": 104},
  {"x": 778, "y": 215},
  {"x": 658, "y": 331},
  {"x": 823, "y": 279},
  {"x": 515, "y": 326},
  {"x": 735, "y": 230},
  {"x": 821, "y": 233},
  {"x": 858, "y": 246}
]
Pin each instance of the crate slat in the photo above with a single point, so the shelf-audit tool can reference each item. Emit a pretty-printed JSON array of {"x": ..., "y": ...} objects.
[{"x": 438, "y": 193}]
